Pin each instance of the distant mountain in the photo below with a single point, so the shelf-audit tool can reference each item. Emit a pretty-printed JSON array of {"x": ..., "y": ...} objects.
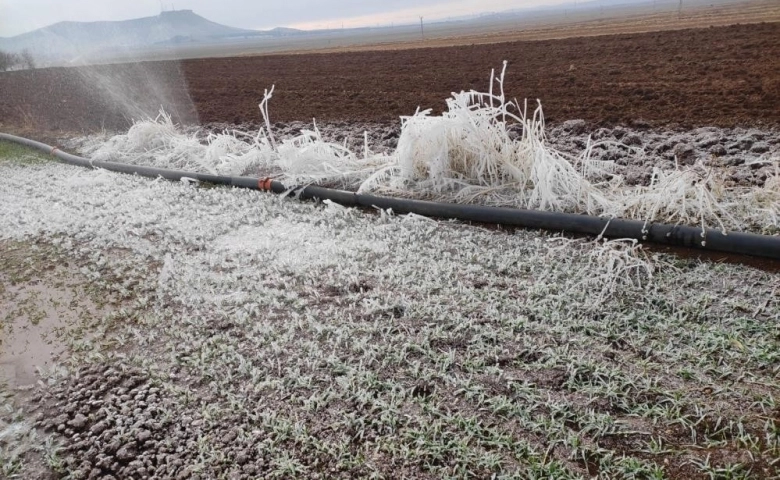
[
  {"x": 280, "y": 31},
  {"x": 68, "y": 40}
]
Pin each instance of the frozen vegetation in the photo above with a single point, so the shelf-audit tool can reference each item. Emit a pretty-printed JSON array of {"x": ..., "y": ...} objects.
[
  {"x": 254, "y": 336},
  {"x": 487, "y": 149}
]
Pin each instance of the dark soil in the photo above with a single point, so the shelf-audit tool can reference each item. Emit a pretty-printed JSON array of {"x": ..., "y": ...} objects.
[{"x": 720, "y": 76}]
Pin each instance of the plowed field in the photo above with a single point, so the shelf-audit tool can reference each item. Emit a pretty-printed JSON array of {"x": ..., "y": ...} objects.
[{"x": 721, "y": 76}]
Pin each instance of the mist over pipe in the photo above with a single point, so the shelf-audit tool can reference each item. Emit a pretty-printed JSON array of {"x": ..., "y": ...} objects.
[{"x": 707, "y": 239}]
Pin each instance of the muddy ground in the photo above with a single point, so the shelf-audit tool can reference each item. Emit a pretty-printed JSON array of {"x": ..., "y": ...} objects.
[{"x": 720, "y": 76}]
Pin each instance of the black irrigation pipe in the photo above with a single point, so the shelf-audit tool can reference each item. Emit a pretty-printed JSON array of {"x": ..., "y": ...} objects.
[{"x": 675, "y": 235}]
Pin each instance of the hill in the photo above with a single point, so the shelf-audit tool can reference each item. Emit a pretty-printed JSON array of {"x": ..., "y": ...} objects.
[{"x": 71, "y": 40}]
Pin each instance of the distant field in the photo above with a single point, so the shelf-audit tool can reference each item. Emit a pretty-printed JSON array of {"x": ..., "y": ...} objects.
[
  {"x": 721, "y": 76},
  {"x": 540, "y": 25}
]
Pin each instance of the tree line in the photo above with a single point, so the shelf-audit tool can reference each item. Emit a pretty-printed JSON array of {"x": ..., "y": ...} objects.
[{"x": 10, "y": 61}]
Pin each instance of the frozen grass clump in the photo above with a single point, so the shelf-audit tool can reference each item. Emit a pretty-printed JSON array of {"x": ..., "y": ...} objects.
[
  {"x": 765, "y": 202},
  {"x": 690, "y": 196},
  {"x": 307, "y": 158},
  {"x": 160, "y": 143},
  {"x": 603, "y": 270},
  {"x": 468, "y": 154},
  {"x": 483, "y": 149},
  {"x": 617, "y": 266}
]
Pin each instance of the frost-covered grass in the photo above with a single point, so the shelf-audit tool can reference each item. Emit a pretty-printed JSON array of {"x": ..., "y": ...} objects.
[
  {"x": 485, "y": 148},
  {"x": 329, "y": 343},
  {"x": 19, "y": 154}
]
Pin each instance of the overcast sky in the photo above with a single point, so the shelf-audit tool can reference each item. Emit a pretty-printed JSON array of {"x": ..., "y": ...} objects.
[{"x": 19, "y": 16}]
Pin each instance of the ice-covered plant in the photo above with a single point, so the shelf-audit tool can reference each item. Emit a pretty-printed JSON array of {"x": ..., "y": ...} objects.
[
  {"x": 693, "y": 196},
  {"x": 307, "y": 158},
  {"x": 470, "y": 152},
  {"x": 610, "y": 268},
  {"x": 485, "y": 148},
  {"x": 161, "y": 143},
  {"x": 765, "y": 203}
]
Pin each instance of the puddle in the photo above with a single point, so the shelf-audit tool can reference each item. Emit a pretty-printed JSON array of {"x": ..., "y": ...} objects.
[{"x": 33, "y": 316}]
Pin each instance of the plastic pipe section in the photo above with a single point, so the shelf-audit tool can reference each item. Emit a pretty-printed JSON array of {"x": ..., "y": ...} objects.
[{"x": 677, "y": 235}]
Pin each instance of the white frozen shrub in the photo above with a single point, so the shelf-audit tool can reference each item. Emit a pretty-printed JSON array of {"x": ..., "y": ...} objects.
[
  {"x": 307, "y": 158},
  {"x": 616, "y": 266},
  {"x": 765, "y": 203},
  {"x": 160, "y": 143},
  {"x": 693, "y": 196},
  {"x": 601, "y": 269},
  {"x": 469, "y": 154}
]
